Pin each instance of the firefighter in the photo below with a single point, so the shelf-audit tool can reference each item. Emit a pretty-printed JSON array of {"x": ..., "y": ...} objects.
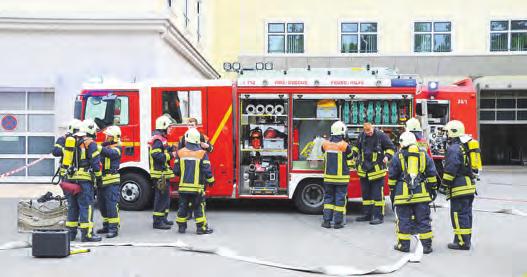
[
  {"x": 58, "y": 150},
  {"x": 108, "y": 191},
  {"x": 193, "y": 167},
  {"x": 85, "y": 171},
  {"x": 413, "y": 125},
  {"x": 203, "y": 142},
  {"x": 459, "y": 179},
  {"x": 412, "y": 180},
  {"x": 337, "y": 161},
  {"x": 160, "y": 156},
  {"x": 373, "y": 151}
]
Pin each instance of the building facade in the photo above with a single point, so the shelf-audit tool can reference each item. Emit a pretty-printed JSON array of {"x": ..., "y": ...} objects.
[
  {"x": 440, "y": 40},
  {"x": 50, "y": 48}
]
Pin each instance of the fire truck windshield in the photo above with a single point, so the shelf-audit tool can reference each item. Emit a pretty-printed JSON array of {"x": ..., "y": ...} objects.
[{"x": 100, "y": 110}]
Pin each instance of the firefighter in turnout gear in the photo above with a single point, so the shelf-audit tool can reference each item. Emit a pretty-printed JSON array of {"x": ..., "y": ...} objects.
[
  {"x": 462, "y": 164},
  {"x": 108, "y": 191},
  {"x": 413, "y": 182},
  {"x": 373, "y": 151},
  {"x": 160, "y": 156},
  {"x": 60, "y": 144},
  {"x": 193, "y": 167},
  {"x": 337, "y": 163},
  {"x": 85, "y": 171},
  {"x": 203, "y": 142}
]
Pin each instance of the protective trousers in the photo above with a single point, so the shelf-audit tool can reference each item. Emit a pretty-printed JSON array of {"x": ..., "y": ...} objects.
[
  {"x": 108, "y": 200},
  {"x": 461, "y": 217},
  {"x": 161, "y": 202},
  {"x": 80, "y": 210},
  {"x": 413, "y": 218},
  {"x": 335, "y": 202},
  {"x": 198, "y": 206},
  {"x": 372, "y": 197}
]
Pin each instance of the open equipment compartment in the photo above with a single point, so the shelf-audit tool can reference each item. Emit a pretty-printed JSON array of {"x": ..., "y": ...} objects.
[{"x": 263, "y": 144}]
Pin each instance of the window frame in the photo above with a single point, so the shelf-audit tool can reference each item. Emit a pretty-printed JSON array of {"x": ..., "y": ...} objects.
[
  {"x": 26, "y": 112},
  {"x": 285, "y": 34},
  {"x": 358, "y": 21},
  {"x": 509, "y": 33},
  {"x": 432, "y": 33}
]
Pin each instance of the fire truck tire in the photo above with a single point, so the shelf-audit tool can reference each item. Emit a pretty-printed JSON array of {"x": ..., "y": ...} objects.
[
  {"x": 135, "y": 192},
  {"x": 309, "y": 196}
]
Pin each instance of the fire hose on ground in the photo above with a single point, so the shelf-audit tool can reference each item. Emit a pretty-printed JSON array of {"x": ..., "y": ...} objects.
[{"x": 336, "y": 270}]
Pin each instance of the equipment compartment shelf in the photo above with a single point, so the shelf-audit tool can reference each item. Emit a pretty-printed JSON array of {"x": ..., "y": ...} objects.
[{"x": 316, "y": 118}]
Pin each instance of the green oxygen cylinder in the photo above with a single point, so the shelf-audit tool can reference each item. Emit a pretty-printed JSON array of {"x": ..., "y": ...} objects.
[
  {"x": 346, "y": 112},
  {"x": 370, "y": 111},
  {"x": 378, "y": 109},
  {"x": 395, "y": 115},
  {"x": 386, "y": 113},
  {"x": 362, "y": 110},
  {"x": 354, "y": 113}
]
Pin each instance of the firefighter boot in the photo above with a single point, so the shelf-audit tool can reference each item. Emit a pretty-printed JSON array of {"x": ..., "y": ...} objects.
[
  {"x": 113, "y": 231},
  {"x": 456, "y": 246},
  {"x": 182, "y": 228},
  {"x": 161, "y": 226},
  {"x": 338, "y": 225},
  {"x": 203, "y": 229},
  {"x": 427, "y": 246},
  {"x": 169, "y": 222},
  {"x": 86, "y": 237},
  {"x": 326, "y": 224},
  {"x": 376, "y": 220},
  {"x": 403, "y": 246},
  {"x": 104, "y": 229}
]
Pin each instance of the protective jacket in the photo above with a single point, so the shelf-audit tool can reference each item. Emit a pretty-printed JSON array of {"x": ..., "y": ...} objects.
[
  {"x": 408, "y": 160},
  {"x": 193, "y": 167},
  {"x": 337, "y": 161},
  {"x": 458, "y": 175},
  {"x": 87, "y": 161},
  {"x": 160, "y": 156},
  {"x": 111, "y": 160},
  {"x": 370, "y": 152}
]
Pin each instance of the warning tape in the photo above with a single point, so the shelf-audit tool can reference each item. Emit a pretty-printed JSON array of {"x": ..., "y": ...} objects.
[
  {"x": 14, "y": 171},
  {"x": 414, "y": 257}
]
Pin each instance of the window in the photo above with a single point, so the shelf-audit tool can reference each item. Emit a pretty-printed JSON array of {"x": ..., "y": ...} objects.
[
  {"x": 508, "y": 35},
  {"x": 100, "y": 111},
  {"x": 432, "y": 37},
  {"x": 185, "y": 14},
  {"x": 505, "y": 105},
  {"x": 181, "y": 105},
  {"x": 285, "y": 38},
  {"x": 28, "y": 134},
  {"x": 358, "y": 37}
]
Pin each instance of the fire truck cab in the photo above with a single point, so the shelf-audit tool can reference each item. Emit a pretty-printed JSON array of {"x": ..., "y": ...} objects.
[{"x": 266, "y": 127}]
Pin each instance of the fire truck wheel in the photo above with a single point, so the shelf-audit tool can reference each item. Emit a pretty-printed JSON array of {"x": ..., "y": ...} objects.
[
  {"x": 309, "y": 196},
  {"x": 135, "y": 192}
]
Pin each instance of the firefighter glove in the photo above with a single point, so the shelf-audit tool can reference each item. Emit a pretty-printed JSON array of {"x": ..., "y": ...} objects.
[
  {"x": 98, "y": 181},
  {"x": 433, "y": 194}
]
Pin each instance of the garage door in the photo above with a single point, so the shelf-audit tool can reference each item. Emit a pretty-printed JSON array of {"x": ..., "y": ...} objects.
[
  {"x": 503, "y": 126},
  {"x": 27, "y": 132}
]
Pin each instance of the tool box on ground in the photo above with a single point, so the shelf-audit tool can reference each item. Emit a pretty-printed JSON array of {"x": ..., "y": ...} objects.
[
  {"x": 50, "y": 243},
  {"x": 47, "y": 212}
]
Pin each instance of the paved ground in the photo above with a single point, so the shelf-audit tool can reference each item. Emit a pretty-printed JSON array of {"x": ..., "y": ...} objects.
[{"x": 275, "y": 231}]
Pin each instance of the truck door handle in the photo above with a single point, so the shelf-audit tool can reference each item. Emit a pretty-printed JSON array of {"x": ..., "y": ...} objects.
[{"x": 129, "y": 151}]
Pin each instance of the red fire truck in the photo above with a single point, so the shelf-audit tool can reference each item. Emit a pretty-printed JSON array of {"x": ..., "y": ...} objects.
[
  {"x": 437, "y": 104},
  {"x": 266, "y": 127}
]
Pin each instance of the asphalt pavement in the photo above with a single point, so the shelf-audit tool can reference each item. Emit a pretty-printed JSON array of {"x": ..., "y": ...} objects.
[{"x": 275, "y": 231}]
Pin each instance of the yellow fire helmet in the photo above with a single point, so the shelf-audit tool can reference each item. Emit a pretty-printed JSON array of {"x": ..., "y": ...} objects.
[
  {"x": 338, "y": 128},
  {"x": 455, "y": 129},
  {"x": 114, "y": 132}
]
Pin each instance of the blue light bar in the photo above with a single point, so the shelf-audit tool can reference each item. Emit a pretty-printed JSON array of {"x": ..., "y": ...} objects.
[{"x": 404, "y": 83}]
